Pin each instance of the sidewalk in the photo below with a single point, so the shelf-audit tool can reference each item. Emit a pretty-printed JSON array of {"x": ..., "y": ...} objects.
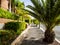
[{"x": 34, "y": 36}]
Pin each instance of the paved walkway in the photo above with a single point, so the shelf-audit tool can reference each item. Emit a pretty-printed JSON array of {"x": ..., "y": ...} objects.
[{"x": 34, "y": 36}]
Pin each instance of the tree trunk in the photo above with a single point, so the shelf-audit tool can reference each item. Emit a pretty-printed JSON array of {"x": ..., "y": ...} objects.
[{"x": 49, "y": 36}]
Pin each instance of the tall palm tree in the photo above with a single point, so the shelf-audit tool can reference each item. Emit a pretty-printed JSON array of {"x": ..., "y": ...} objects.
[{"x": 47, "y": 12}]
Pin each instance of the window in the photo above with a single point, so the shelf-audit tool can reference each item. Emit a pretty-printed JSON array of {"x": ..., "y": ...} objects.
[{"x": 0, "y": 3}]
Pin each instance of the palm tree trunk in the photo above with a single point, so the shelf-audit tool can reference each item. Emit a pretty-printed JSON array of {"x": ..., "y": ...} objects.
[{"x": 49, "y": 36}]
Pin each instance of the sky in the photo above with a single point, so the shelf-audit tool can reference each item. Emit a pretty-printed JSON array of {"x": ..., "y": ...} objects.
[{"x": 27, "y": 2}]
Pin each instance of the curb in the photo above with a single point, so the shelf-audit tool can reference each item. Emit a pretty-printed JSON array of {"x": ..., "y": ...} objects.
[
  {"x": 55, "y": 38},
  {"x": 21, "y": 37}
]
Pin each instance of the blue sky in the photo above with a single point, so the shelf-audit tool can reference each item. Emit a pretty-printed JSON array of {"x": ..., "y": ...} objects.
[{"x": 26, "y": 2}]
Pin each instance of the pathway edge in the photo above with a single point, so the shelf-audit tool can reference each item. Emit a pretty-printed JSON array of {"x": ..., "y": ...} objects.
[{"x": 21, "y": 36}]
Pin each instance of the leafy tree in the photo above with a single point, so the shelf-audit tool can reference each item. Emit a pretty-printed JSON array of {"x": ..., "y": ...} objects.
[
  {"x": 19, "y": 9},
  {"x": 27, "y": 18},
  {"x": 47, "y": 12},
  {"x": 15, "y": 3},
  {"x": 19, "y": 4},
  {"x": 7, "y": 14}
]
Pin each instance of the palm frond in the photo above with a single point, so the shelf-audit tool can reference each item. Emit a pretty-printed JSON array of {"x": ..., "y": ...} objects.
[
  {"x": 33, "y": 9},
  {"x": 34, "y": 15},
  {"x": 38, "y": 5},
  {"x": 56, "y": 9},
  {"x": 47, "y": 11},
  {"x": 43, "y": 3}
]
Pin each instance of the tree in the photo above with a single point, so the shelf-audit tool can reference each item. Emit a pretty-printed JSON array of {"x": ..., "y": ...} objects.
[
  {"x": 19, "y": 9},
  {"x": 47, "y": 12},
  {"x": 19, "y": 5},
  {"x": 21, "y": 13}
]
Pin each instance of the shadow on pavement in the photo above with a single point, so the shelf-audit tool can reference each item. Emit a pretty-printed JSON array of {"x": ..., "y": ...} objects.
[{"x": 33, "y": 42}]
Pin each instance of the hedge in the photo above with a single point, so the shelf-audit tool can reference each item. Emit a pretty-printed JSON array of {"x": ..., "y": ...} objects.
[
  {"x": 22, "y": 26},
  {"x": 15, "y": 26},
  {"x": 7, "y": 14},
  {"x": 12, "y": 29},
  {"x": 12, "y": 26},
  {"x": 6, "y": 37}
]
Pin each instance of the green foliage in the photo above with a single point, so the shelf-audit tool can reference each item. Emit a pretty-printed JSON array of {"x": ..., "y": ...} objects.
[
  {"x": 19, "y": 10},
  {"x": 7, "y": 14},
  {"x": 15, "y": 17},
  {"x": 47, "y": 12},
  {"x": 19, "y": 4},
  {"x": 35, "y": 21},
  {"x": 12, "y": 29},
  {"x": 15, "y": 26},
  {"x": 22, "y": 26},
  {"x": 6, "y": 37},
  {"x": 27, "y": 19},
  {"x": 16, "y": 4},
  {"x": 12, "y": 26}
]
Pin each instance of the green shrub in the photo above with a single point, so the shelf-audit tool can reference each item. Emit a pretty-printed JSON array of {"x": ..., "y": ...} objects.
[
  {"x": 12, "y": 29},
  {"x": 22, "y": 26},
  {"x": 35, "y": 21},
  {"x": 7, "y": 14},
  {"x": 15, "y": 26},
  {"x": 15, "y": 17},
  {"x": 6, "y": 37},
  {"x": 12, "y": 26}
]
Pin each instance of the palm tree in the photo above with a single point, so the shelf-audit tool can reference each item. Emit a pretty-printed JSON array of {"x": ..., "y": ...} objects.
[{"x": 47, "y": 12}]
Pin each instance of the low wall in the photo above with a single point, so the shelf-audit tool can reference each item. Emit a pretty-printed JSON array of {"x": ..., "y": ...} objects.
[{"x": 21, "y": 37}]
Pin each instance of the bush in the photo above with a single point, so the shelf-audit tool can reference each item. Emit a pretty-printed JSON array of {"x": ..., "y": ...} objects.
[
  {"x": 12, "y": 26},
  {"x": 12, "y": 29},
  {"x": 6, "y": 37},
  {"x": 15, "y": 26},
  {"x": 22, "y": 26},
  {"x": 35, "y": 21},
  {"x": 7, "y": 14}
]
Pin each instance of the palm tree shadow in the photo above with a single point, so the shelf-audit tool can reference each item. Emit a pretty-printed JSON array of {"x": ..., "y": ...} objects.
[{"x": 33, "y": 42}]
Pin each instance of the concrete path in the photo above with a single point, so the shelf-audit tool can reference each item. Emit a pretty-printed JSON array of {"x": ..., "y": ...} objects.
[{"x": 34, "y": 36}]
